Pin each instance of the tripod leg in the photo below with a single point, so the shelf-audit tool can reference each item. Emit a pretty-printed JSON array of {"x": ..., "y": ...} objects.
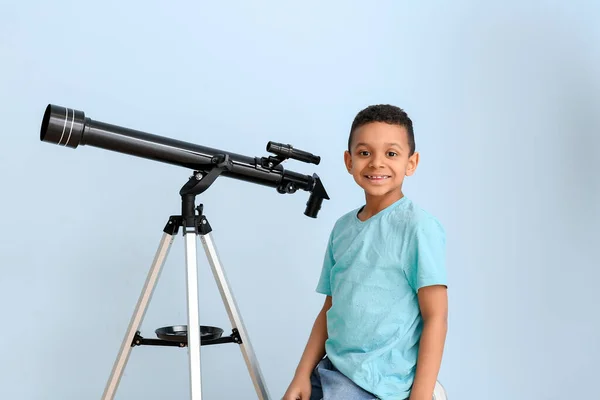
[
  {"x": 138, "y": 316},
  {"x": 234, "y": 314},
  {"x": 193, "y": 313}
]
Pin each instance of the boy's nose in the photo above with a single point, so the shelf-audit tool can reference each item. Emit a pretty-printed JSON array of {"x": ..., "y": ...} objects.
[{"x": 376, "y": 162}]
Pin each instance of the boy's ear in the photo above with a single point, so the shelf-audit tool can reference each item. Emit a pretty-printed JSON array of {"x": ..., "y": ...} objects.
[
  {"x": 413, "y": 162},
  {"x": 348, "y": 160}
]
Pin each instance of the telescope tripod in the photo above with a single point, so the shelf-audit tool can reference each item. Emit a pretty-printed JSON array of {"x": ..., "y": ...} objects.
[{"x": 193, "y": 335}]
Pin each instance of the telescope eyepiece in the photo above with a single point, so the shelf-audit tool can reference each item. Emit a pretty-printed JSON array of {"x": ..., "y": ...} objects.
[
  {"x": 62, "y": 126},
  {"x": 315, "y": 200},
  {"x": 313, "y": 205}
]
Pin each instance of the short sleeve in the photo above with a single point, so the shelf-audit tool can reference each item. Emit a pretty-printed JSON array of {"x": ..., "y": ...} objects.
[
  {"x": 324, "y": 284},
  {"x": 427, "y": 265}
]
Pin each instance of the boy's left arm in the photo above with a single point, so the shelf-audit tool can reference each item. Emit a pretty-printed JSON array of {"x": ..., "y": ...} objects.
[{"x": 433, "y": 301}]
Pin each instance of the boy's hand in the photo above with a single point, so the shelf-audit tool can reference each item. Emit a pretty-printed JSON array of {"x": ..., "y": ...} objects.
[{"x": 299, "y": 389}]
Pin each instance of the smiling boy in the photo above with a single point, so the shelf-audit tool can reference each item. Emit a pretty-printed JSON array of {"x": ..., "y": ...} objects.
[{"x": 381, "y": 331}]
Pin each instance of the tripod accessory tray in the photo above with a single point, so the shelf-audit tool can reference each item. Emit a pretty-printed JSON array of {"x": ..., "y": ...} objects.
[{"x": 178, "y": 333}]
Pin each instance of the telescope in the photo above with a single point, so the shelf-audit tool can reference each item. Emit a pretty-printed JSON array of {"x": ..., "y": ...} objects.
[
  {"x": 68, "y": 127},
  {"x": 71, "y": 128}
]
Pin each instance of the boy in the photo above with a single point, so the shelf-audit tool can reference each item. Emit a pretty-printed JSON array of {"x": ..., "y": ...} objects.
[{"x": 382, "y": 328}]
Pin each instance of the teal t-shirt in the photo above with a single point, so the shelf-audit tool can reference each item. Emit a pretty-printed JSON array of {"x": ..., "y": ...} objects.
[{"x": 373, "y": 270}]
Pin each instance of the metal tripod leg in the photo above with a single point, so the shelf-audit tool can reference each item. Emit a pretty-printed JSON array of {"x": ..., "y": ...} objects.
[
  {"x": 193, "y": 317},
  {"x": 138, "y": 316},
  {"x": 233, "y": 312}
]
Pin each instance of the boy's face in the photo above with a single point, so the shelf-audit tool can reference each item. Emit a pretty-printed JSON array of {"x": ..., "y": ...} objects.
[{"x": 379, "y": 158}]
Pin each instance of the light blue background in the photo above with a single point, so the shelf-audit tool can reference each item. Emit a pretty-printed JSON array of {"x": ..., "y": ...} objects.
[{"x": 505, "y": 99}]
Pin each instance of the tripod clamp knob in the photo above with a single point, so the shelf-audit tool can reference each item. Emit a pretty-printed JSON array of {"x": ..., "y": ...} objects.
[{"x": 202, "y": 225}]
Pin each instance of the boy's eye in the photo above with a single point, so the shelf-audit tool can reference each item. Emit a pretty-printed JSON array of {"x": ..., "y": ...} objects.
[
  {"x": 392, "y": 153},
  {"x": 363, "y": 153}
]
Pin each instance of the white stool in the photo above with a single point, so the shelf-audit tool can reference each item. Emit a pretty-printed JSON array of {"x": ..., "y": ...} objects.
[{"x": 439, "y": 393}]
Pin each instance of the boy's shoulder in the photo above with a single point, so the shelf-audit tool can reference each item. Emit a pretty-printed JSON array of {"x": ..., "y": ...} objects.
[
  {"x": 417, "y": 224},
  {"x": 416, "y": 217}
]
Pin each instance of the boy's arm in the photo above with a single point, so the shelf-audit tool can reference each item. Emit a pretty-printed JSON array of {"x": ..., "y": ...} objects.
[
  {"x": 315, "y": 348},
  {"x": 433, "y": 301}
]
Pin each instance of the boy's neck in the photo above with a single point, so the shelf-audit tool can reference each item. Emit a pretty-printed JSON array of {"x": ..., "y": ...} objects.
[{"x": 375, "y": 204}]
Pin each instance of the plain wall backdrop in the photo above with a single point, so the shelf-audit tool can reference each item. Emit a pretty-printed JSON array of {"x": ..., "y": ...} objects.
[{"x": 504, "y": 98}]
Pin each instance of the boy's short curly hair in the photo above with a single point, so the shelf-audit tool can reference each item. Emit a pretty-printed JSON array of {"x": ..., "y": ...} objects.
[{"x": 384, "y": 113}]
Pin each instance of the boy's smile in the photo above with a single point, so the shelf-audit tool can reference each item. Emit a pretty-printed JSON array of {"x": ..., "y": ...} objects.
[
  {"x": 377, "y": 177},
  {"x": 379, "y": 159}
]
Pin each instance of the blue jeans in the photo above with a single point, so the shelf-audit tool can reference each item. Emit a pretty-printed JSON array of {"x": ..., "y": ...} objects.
[{"x": 328, "y": 383}]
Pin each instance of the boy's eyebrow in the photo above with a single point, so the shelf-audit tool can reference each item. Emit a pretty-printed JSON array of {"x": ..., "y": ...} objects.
[
  {"x": 387, "y": 144},
  {"x": 394, "y": 144}
]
